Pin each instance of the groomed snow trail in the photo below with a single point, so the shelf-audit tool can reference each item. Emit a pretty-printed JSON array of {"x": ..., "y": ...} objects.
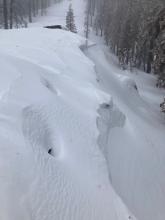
[{"x": 134, "y": 144}]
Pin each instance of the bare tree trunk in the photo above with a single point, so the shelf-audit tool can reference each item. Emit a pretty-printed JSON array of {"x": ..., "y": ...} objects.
[
  {"x": 11, "y": 13},
  {"x": 30, "y": 11},
  {"x": 5, "y": 14}
]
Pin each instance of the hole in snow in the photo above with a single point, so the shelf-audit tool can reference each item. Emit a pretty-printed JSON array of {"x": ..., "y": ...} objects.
[
  {"x": 51, "y": 152},
  {"x": 37, "y": 130}
]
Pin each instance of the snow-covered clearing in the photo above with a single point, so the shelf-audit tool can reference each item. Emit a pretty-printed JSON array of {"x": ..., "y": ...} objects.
[
  {"x": 75, "y": 133},
  {"x": 56, "y": 15}
]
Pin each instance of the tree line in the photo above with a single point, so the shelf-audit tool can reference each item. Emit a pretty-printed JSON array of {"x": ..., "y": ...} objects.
[
  {"x": 134, "y": 30},
  {"x": 18, "y": 13}
]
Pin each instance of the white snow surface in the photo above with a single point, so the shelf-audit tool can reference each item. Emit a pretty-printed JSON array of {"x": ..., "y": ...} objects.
[
  {"x": 103, "y": 126},
  {"x": 134, "y": 148},
  {"x": 49, "y": 100},
  {"x": 56, "y": 15}
]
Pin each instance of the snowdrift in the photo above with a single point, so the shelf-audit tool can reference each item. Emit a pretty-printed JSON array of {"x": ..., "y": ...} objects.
[
  {"x": 49, "y": 103},
  {"x": 133, "y": 138}
]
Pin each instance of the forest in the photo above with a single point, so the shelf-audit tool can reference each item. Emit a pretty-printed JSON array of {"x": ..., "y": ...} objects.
[
  {"x": 18, "y": 13},
  {"x": 134, "y": 30}
]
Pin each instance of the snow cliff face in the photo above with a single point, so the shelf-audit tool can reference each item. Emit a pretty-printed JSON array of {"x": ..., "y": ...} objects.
[{"x": 49, "y": 103}]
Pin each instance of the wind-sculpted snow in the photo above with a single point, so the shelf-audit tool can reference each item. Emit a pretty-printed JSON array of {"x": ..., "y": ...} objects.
[
  {"x": 109, "y": 118},
  {"x": 50, "y": 162},
  {"x": 36, "y": 129},
  {"x": 132, "y": 136}
]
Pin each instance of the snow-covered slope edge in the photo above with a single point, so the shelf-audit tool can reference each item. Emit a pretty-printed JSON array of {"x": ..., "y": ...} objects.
[
  {"x": 49, "y": 101},
  {"x": 134, "y": 147}
]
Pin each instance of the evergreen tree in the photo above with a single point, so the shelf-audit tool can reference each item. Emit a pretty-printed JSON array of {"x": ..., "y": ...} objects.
[
  {"x": 5, "y": 14},
  {"x": 70, "y": 24}
]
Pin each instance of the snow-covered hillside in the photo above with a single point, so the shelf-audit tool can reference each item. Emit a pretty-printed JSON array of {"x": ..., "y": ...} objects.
[
  {"x": 49, "y": 102},
  {"x": 134, "y": 149},
  {"x": 79, "y": 138}
]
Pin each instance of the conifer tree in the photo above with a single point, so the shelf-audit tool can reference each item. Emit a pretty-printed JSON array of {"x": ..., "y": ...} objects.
[{"x": 70, "y": 23}]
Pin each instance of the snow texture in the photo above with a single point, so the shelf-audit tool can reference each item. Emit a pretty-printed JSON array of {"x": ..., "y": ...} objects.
[
  {"x": 79, "y": 138},
  {"x": 48, "y": 102},
  {"x": 133, "y": 138}
]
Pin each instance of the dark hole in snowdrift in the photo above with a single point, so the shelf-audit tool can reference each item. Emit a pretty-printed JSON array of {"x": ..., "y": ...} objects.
[
  {"x": 37, "y": 131},
  {"x": 51, "y": 152}
]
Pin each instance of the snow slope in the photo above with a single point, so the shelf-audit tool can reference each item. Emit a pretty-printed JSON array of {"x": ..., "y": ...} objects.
[
  {"x": 50, "y": 102},
  {"x": 103, "y": 134},
  {"x": 134, "y": 148},
  {"x": 131, "y": 128}
]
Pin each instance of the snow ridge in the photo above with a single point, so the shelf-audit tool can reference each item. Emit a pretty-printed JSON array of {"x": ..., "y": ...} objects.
[{"x": 47, "y": 102}]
